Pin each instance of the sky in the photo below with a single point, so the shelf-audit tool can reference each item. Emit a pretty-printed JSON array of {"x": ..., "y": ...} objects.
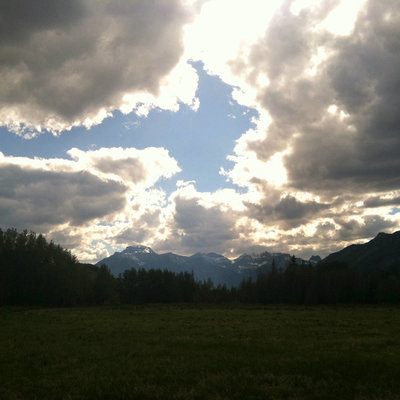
[{"x": 225, "y": 126}]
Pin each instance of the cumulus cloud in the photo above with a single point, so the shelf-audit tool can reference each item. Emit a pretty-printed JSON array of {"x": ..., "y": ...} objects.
[
  {"x": 142, "y": 229},
  {"x": 324, "y": 162},
  {"x": 340, "y": 123},
  {"x": 322, "y": 159},
  {"x": 72, "y": 63},
  {"x": 318, "y": 170},
  {"x": 368, "y": 226},
  {"x": 195, "y": 227},
  {"x": 131, "y": 166},
  {"x": 83, "y": 196},
  {"x": 289, "y": 212},
  {"x": 39, "y": 199}
]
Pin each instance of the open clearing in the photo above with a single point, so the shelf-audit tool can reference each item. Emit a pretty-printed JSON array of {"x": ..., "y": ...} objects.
[{"x": 200, "y": 352}]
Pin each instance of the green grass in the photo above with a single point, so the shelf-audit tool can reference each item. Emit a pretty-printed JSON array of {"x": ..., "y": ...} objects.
[{"x": 184, "y": 352}]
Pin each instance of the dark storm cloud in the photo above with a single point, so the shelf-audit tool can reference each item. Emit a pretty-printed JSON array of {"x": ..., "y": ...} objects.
[
  {"x": 35, "y": 198},
  {"x": 353, "y": 229},
  {"x": 21, "y": 18},
  {"x": 365, "y": 77},
  {"x": 72, "y": 59},
  {"x": 332, "y": 156},
  {"x": 359, "y": 148},
  {"x": 198, "y": 228},
  {"x": 376, "y": 201},
  {"x": 290, "y": 208},
  {"x": 288, "y": 212}
]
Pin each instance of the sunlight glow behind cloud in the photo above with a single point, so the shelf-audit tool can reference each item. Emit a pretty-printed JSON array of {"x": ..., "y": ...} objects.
[
  {"x": 316, "y": 168},
  {"x": 341, "y": 20}
]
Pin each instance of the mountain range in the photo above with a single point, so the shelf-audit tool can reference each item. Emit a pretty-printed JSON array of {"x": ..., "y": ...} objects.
[
  {"x": 204, "y": 266},
  {"x": 382, "y": 252}
]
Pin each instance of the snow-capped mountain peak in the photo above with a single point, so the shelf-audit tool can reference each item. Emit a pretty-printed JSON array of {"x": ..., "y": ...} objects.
[
  {"x": 212, "y": 265},
  {"x": 139, "y": 249}
]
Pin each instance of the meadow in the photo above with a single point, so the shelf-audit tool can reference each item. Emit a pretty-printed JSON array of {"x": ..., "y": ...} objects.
[{"x": 200, "y": 352}]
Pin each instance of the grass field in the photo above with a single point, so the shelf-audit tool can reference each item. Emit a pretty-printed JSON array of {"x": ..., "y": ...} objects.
[{"x": 184, "y": 352}]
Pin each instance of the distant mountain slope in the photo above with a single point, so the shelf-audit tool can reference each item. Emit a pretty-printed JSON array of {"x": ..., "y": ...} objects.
[
  {"x": 382, "y": 252},
  {"x": 203, "y": 266},
  {"x": 212, "y": 266},
  {"x": 143, "y": 257}
]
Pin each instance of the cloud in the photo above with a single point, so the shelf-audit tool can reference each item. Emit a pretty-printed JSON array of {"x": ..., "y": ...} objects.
[
  {"x": 142, "y": 229},
  {"x": 323, "y": 155},
  {"x": 318, "y": 169},
  {"x": 76, "y": 63},
  {"x": 131, "y": 166},
  {"x": 40, "y": 199},
  {"x": 25, "y": 18},
  {"x": 108, "y": 185},
  {"x": 198, "y": 228},
  {"x": 288, "y": 212},
  {"x": 376, "y": 201},
  {"x": 369, "y": 226},
  {"x": 322, "y": 160},
  {"x": 356, "y": 146}
]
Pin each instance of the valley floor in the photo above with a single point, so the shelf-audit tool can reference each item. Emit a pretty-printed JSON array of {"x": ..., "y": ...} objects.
[{"x": 200, "y": 352}]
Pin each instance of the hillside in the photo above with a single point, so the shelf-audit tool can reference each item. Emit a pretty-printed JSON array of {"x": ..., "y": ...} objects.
[{"x": 382, "y": 252}]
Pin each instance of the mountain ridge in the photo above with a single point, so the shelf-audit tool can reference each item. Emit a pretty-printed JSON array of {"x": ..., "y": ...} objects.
[
  {"x": 381, "y": 252},
  {"x": 204, "y": 266}
]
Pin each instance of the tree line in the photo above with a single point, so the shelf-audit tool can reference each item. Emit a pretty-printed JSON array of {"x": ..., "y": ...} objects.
[
  {"x": 34, "y": 271},
  {"x": 324, "y": 283}
]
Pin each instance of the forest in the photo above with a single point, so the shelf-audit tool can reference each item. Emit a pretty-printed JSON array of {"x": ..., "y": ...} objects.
[{"x": 34, "y": 271}]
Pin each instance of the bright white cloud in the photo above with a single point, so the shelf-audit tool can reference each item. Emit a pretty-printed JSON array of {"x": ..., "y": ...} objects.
[
  {"x": 131, "y": 166},
  {"x": 341, "y": 19},
  {"x": 178, "y": 87}
]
